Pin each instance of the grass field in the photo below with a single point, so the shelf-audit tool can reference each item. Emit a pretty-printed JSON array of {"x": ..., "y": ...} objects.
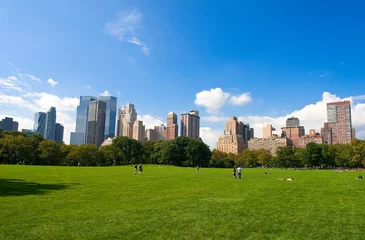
[{"x": 38, "y": 202}]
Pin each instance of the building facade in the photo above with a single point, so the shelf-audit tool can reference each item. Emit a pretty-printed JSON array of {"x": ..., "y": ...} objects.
[
  {"x": 110, "y": 116},
  {"x": 190, "y": 124},
  {"x": 59, "y": 133},
  {"x": 248, "y": 133},
  {"x": 312, "y": 137},
  {"x": 127, "y": 115},
  {"x": 232, "y": 140},
  {"x": 138, "y": 131},
  {"x": 267, "y": 131},
  {"x": 39, "y": 126},
  {"x": 270, "y": 144},
  {"x": 8, "y": 124},
  {"x": 292, "y": 122},
  {"x": 171, "y": 126},
  {"x": 79, "y": 136},
  {"x": 50, "y": 128},
  {"x": 96, "y": 122},
  {"x": 339, "y": 122},
  {"x": 294, "y": 133}
]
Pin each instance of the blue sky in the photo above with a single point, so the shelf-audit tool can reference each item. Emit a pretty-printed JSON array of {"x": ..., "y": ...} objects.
[{"x": 258, "y": 60}]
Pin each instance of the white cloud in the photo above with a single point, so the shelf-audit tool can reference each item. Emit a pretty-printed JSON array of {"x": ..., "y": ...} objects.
[
  {"x": 210, "y": 136},
  {"x": 12, "y": 83},
  {"x": 150, "y": 121},
  {"x": 242, "y": 99},
  {"x": 52, "y": 82},
  {"x": 105, "y": 93},
  {"x": 212, "y": 100},
  {"x": 88, "y": 87},
  {"x": 124, "y": 27}
]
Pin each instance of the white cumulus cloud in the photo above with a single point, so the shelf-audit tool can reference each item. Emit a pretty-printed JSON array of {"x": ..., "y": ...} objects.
[
  {"x": 105, "y": 93},
  {"x": 212, "y": 99},
  {"x": 242, "y": 99},
  {"x": 150, "y": 121},
  {"x": 210, "y": 136},
  {"x": 52, "y": 82}
]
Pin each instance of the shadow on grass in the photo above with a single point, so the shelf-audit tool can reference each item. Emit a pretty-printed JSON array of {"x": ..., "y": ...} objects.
[{"x": 19, "y": 187}]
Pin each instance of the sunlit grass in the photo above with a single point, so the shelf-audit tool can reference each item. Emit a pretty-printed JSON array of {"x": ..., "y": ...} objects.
[{"x": 178, "y": 203}]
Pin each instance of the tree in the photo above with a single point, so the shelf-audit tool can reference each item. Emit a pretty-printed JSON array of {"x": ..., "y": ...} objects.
[
  {"x": 86, "y": 155},
  {"x": 49, "y": 153},
  {"x": 285, "y": 156},
  {"x": 246, "y": 158},
  {"x": 197, "y": 154},
  {"x": 301, "y": 155},
  {"x": 170, "y": 154},
  {"x": 16, "y": 149},
  {"x": 148, "y": 148},
  {"x": 108, "y": 154},
  {"x": 263, "y": 157},
  {"x": 129, "y": 151},
  {"x": 358, "y": 152},
  {"x": 64, "y": 151},
  {"x": 314, "y": 153}
]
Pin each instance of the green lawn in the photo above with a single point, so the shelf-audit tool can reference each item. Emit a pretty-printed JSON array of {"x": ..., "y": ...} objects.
[{"x": 39, "y": 202}]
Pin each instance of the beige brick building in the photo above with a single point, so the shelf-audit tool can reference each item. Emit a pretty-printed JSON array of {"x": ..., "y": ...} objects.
[
  {"x": 267, "y": 131},
  {"x": 232, "y": 140},
  {"x": 270, "y": 144},
  {"x": 138, "y": 131},
  {"x": 312, "y": 137}
]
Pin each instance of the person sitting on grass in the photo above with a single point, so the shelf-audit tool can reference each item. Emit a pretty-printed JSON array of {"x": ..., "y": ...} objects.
[
  {"x": 359, "y": 177},
  {"x": 286, "y": 179}
]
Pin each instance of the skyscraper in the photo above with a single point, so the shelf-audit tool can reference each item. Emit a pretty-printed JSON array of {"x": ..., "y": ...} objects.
[
  {"x": 138, "y": 131},
  {"x": 127, "y": 115},
  {"x": 80, "y": 134},
  {"x": 339, "y": 122},
  {"x": 96, "y": 122},
  {"x": 267, "y": 131},
  {"x": 190, "y": 124},
  {"x": 293, "y": 130},
  {"x": 59, "y": 133},
  {"x": 8, "y": 124},
  {"x": 248, "y": 133},
  {"x": 50, "y": 127},
  {"x": 232, "y": 140},
  {"x": 111, "y": 115},
  {"x": 172, "y": 127},
  {"x": 39, "y": 126}
]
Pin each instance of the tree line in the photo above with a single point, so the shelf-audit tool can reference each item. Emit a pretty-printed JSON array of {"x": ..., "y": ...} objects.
[{"x": 19, "y": 148}]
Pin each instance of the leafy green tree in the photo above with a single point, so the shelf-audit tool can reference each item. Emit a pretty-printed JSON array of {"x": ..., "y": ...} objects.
[
  {"x": 314, "y": 152},
  {"x": 301, "y": 155},
  {"x": 170, "y": 154},
  {"x": 197, "y": 154},
  {"x": 263, "y": 157},
  {"x": 358, "y": 152},
  {"x": 16, "y": 149},
  {"x": 129, "y": 151},
  {"x": 285, "y": 157},
  {"x": 246, "y": 158},
  {"x": 49, "y": 153},
  {"x": 86, "y": 155},
  {"x": 148, "y": 148},
  {"x": 108, "y": 154}
]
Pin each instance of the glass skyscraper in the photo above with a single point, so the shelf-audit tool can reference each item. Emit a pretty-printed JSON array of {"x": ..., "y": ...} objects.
[
  {"x": 79, "y": 136},
  {"x": 39, "y": 123},
  {"x": 50, "y": 128},
  {"x": 111, "y": 115},
  {"x": 96, "y": 122}
]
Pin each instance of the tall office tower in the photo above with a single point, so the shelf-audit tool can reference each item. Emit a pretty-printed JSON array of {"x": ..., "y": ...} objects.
[
  {"x": 161, "y": 132},
  {"x": 111, "y": 115},
  {"x": 50, "y": 128},
  {"x": 247, "y": 133},
  {"x": 96, "y": 122},
  {"x": 190, "y": 124},
  {"x": 138, "y": 131},
  {"x": 267, "y": 131},
  {"x": 171, "y": 126},
  {"x": 293, "y": 130},
  {"x": 7, "y": 124},
  {"x": 39, "y": 125},
  {"x": 127, "y": 115},
  {"x": 339, "y": 121},
  {"x": 79, "y": 136},
  {"x": 59, "y": 133},
  {"x": 292, "y": 122},
  {"x": 232, "y": 140},
  {"x": 326, "y": 133}
]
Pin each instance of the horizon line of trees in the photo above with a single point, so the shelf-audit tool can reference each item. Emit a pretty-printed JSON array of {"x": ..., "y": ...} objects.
[{"x": 19, "y": 148}]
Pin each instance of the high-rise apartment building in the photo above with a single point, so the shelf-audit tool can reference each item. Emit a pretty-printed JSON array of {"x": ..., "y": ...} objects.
[
  {"x": 156, "y": 134},
  {"x": 59, "y": 133},
  {"x": 339, "y": 122},
  {"x": 171, "y": 126},
  {"x": 8, "y": 124},
  {"x": 293, "y": 130},
  {"x": 50, "y": 128},
  {"x": 313, "y": 137},
  {"x": 39, "y": 126},
  {"x": 292, "y": 122},
  {"x": 232, "y": 140},
  {"x": 111, "y": 115},
  {"x": 79, "y": 136},
  {"x": 248, "y": 133},
  {"x": 190, "y": 124},
  {"x": 326, "y": 133},
  {"x": 267, "y": 131},
  {"x": 138, "y": 131},
  {"x": 127, "y": 115},
  {"x": 96, "y": 122}
]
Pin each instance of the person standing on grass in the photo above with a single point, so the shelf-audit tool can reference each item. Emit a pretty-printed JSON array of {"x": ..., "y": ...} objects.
[
  {"x": 239, "y": 169},
  {"x": 140, "y": 169},
  {"x": 197, "y": 168},
  {"x": 135, "y": 170},
  {"x": 234, "y": 172}
]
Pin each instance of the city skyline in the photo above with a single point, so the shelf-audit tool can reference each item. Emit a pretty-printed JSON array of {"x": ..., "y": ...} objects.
[{"x": 242, "y": 66}]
